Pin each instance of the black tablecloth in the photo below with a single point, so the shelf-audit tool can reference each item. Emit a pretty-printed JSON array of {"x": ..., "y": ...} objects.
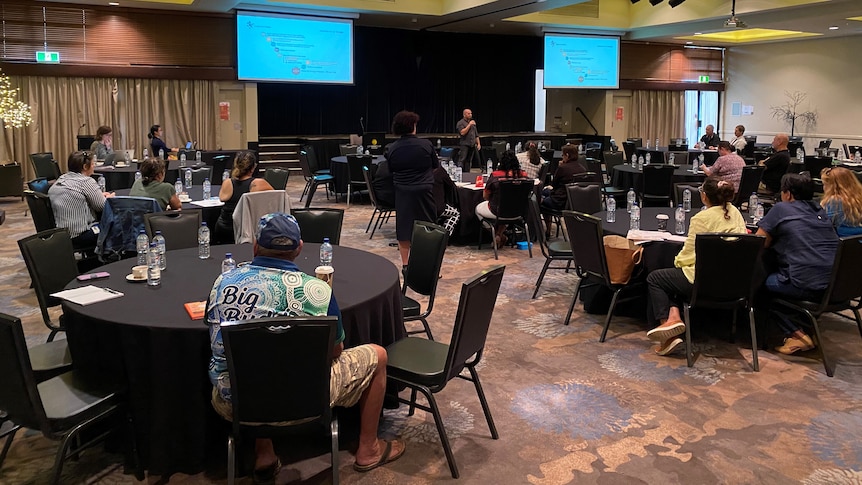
[
  {"x": 341, "y": 174},
  {"x": 709, "y": 156},
  {"x": 196, "y": 192},
  {"x": 117, "y": 178},
  {"x": 657, "y": 254},
  {"x": 625, "y": 176},
  {"x": 146, "y": 341},
  {"x": 469, "y": 226}
]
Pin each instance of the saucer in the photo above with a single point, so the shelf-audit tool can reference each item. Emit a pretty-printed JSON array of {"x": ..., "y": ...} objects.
[
  {"x": 131, "y": 277},
  {"x": 185, "y": 199}
]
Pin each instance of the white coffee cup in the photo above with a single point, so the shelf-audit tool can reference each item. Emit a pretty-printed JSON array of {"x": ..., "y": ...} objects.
[
  {"x": 325, "y": 273},
  {"x": 662, "y": 219},
  {"x": 139, "y": 272}
]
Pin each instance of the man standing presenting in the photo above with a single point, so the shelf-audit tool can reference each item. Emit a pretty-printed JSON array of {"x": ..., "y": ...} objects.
[
  {"x": 728, "y": 166},
  {"x": 470, "y": 144},
  {"x": 738, "y": 141},
  {"x": 776, "y": 165},
  {"x": 710, "y": 139},
  {"x": 273, "y": 285}
]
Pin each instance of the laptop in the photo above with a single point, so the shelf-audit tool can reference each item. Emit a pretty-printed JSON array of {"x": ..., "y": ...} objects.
[
  {"x": 109, "y": 160},
  {"x": 190, "y": 145}
]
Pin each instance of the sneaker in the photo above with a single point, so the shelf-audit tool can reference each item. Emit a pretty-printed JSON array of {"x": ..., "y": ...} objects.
[
  {"x": 665, "y": 332},
  {"x": 793, "y": 345},
  {"x": 668, "y": 346}
]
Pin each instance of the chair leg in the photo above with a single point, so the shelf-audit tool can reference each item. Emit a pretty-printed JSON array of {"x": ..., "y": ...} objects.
[
  {"x": 733, "y": 326},
  {"x": 541, "y": 277},
  {"x": 444, "y": 439},
  {"x": 754, "y": 362},
  {"x": 349, "y": 189},
  {"x": 830, "y": 369},
  {"x": 529, "y": 241},
  {"x": 427, "y": 329},
  {"x": 8, "y": 444},
  {"x": 311, "y": 191},
  {"x": 412, "y": 408},
  {"x": 60, "y": 457},
  {"x": 305, "y": 190},
  {"x": 484, "y": 402},
  {"x": 610, "y": 314},
  {"x": 373, "y": 213},
  {"x": 858, "y": 320},
  {"x": 689, "y": 354},
  {"x": 574, "y": 301},
  {"x": 231, "y": 460},
  {"x": 333, "y": 430}
]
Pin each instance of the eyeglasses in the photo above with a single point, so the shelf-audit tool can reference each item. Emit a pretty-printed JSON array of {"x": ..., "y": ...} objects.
[{"x": 700, "y": 189}]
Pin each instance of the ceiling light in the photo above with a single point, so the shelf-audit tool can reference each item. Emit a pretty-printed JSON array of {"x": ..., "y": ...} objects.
[
  {"x": 675, "y": 3},
  {"x": 833, "y": 27},
  {"x": 114, "y": 4},
  {"x": 635, "y": 1},
  {"x": 698, "y": 33},
  {"x": 655, "y": 2},
  {"x": 689, "y": 42}
]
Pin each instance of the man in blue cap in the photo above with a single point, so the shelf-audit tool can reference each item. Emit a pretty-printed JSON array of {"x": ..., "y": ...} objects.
[{"x": 273, "y": 285}]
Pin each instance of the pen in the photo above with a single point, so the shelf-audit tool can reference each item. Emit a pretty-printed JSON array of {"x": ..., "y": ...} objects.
[{"x": 111, "y": 291}]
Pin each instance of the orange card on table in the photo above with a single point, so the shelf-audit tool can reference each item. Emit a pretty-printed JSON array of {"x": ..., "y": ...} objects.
[
  {"x": 480, "y": 182},
  {"x": 196, "y": 309}
]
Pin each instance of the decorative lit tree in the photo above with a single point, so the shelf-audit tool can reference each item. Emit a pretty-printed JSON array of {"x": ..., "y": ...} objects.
[
  {"x": 13, "y": 112},
  {"x": 789, "y": 111}
]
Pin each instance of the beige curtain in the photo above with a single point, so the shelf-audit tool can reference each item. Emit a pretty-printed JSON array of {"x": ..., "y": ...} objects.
[
  {"x": 657, "y": 114},
  {"x": 64, "y": 107}
]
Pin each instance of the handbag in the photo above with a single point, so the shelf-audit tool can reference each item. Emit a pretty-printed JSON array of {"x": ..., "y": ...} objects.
[{"x": 622, "y": 256}]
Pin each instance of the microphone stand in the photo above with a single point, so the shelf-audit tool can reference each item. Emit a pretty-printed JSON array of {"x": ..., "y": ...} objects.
[{"x": 579, "y": 110}]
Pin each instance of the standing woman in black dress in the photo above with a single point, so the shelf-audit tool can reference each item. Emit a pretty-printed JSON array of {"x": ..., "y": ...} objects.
[{"x": 411, "y": 161}]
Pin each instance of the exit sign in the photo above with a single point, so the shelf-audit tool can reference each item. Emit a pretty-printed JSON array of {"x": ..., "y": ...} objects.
[
  {"x": 703, "y": 79},
  {"x": 48, "y": 56}
]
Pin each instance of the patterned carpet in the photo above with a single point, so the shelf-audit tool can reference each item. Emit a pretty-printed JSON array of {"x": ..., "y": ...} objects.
[{"x": 568, "y": 408}]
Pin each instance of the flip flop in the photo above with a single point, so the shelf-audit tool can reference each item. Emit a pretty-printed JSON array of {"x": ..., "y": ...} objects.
[{"x": 384, "y": 459}]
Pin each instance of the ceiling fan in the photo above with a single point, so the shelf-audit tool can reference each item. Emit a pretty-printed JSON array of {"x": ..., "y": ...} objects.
[{"x": 733, "y": 22}]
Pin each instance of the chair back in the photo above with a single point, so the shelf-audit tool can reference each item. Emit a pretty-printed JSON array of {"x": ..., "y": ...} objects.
[
  {"x": 39, "y": 184},
  {"x": 317, "y": 224},
  {"x": 44, "y": 165},
  {"x": 313, "y": 162},
  {"x": 679, "y": 157},
  {"x": 354, "y": 167},
  {"x": 475, "y": 309},
  {"x": 345, "y": 150},
  {"x": 122, "y": 221},
  {"x": 201, "y": 173},
  {"x": 251, "y": 207},
  {"x": 814, "y": 164},
  {"x": 658, "y": 180},
  {"x": 543, "y": 172},
  {"x": 537, "y": 229},
  {"x": 595, "y": 165},
  {"x": 180, "y": 228},
  {"x": 629, "y": 148},
  {"x": 279, "y": 368},
  {"x": 679, "y": 191},
  {"x": 748, "y": 183},
  {"x": 41, "y": 210},
  {"x": 366, "y": 175},
  {"x": 307, "y": 172},
  {"x": 845, "y": 283},
  {"x": 613, "y": 159},
  {"x": 553, "y": 165},
  {"x": 584, "y": 197},
  {"x": 714, "y": 280},
  {"x": 50, "y": 260},
  {"x": 19, "y": 395},
  {"x": 514, "y": 195},
  {"x": 277, "y": 177},
  {"x": 447, "y": 152},
  {"x": 587, "y": 243},
  {"x": 12, "y": 181},
  {"x": 427, "y": 247},
  {"x": 547, "y": 155}
]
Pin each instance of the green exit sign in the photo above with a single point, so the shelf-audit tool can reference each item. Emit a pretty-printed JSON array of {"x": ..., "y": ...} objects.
[
  {"x": 48, "y": 56},
  {"x": 703, "y": 79}
]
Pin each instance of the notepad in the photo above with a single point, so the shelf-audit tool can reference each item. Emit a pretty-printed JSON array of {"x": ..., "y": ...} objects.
[
  {"x": 211, "y": 202},
  {"x": 196, "y": 309},
  {"x": 86, "y": 295}
]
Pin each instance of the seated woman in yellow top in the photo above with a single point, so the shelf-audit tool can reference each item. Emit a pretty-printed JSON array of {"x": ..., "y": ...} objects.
[
  {"x": 667, "y": 287},
  {"x": 152, "y": 184}
]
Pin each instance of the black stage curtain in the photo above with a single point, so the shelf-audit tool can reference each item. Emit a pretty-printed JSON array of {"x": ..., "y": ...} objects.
[{"x": 435, "y": 74}]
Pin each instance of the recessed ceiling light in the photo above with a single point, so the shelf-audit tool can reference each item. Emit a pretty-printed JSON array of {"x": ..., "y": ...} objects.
[
  {"x": 833, "y": 27},
  {"x": 698, "y": 33},
  {"x": 114, "y": 4}
]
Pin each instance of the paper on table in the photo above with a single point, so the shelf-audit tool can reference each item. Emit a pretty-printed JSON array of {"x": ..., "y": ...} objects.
[
  {"x": 211, "y": 202},
  {"x": 638, "y": 235},
  {"x": 86, "y": 295}
]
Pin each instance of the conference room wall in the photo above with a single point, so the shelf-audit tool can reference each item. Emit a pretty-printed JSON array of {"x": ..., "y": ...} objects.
[
  {"x": 564, "y": 103},
  {"x": 827, "y": 70}
]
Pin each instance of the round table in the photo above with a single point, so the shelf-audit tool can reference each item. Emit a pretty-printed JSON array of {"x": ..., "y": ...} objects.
[
  {"x": 146, "y": 341},
  {"x": 196, "y": 192},
  {"x": 625, "y": 176},
  {"x": 657, "y": 254},
  {"x": 341, "y": 174},
  {"x": 117, "y": 178}
]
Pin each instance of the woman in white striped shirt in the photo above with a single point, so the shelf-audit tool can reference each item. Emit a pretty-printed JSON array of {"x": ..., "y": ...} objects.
[{"x": 77, "y": 200}]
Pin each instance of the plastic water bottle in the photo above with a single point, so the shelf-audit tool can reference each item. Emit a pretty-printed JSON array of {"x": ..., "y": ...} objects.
[
  {"x": 204, "y": 241},
  {"x": 647, "y": 145},
  {"x": 800, "y": 155},
  {"x": 146, "y": 153},
  {"x": 228, "y": 264},
  {"x": 154, "y": 273},
  {"x": 160, "y": 242},
  {"x": 188, "y": 179},
  {"x": 143, "y": 244},
  {"x": 359, "y": 150},
  {"x": 508, "y": 146},
  {"x": 183, "y": 159},
  {"x": 631, "y": 197},
  {"x": 439, "y": 143},
  {"x": 225, "y": 175},
  {"x": 641, "y": 162},
  {"x": 635, "y": 219},
  {"x": 656, "y": 143},
  {"x": 127, "y": 157},
  {"x": 857, "y": 157},
  {"x": 671, "y": 158},
  {"x": 162, "y": 153},
  {"x": 634, "y": 161},
  {"x": 611, "y": 206},
  {"x": 198, "y": 156},
  {"x": 679, "y": 216},
  {"x": 695, "y": 165},
  {"x": 326, "y": 253},
  {"x": 178, "y": 186},
  {"x": 581, "y": 148},
  {"x": 686, "y": 200},
  {"x": 758, "y": 212},
  {"x": 102, "y": 184},
  {"x": 648, "y": 158},
  {"x": 490, "y": 166},
  {"x": 752, "y": 204},
  {"x": 207, "y": 189},
  {"x": 700, "y": 159},
  {"x": 138, "y": 175},
  {"x": 519, "y": 148}
]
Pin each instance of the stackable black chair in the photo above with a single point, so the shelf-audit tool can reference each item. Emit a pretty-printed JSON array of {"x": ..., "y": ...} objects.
[
  {"x": 277, "y": 177},
  {"x": 200, "y": 174},
  {"x": 317, "y": 224},
  {"x": 426, "y": 366},
  {"x": 312, "y": 179},
  {"x": 180, "y": 228},
  {"x": 382, "y": 211},
  {"x": 356, "y": 181},
  {"x": 427, "y": 247},
  {"x": 584, "y": 197},
  {"x": 40, "y": 210},
  {"x": 679, "y": 191},
  {"x": 513, "y": 208},
  {"x": 748, "y": 184},
  {"x": 44, "y": 165},
  {"x": 552, "y": 251},
  {"x": 657, "y": 185}
]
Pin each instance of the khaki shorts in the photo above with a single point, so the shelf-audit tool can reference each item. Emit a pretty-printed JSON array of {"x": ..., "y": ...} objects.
[{"x": 350, "y": 375}]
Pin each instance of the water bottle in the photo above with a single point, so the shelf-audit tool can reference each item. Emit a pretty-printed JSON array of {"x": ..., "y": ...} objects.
[
  {"x": 648, "y": 158},
  {"x": 679, "y": 216},
  {"x": 686, "y": 200},
  {"x": 178, "y": 186},
  {"x": 635, "y": 219},
  {"x": 752, "y": 204},
  {"x": 581, "y": 148},
  {"x": 359, "y": 150},
  {"x": 207, "y": 189},
  {"x": 183, "y": 159},
  {"x": 671, "y": 158},
  {"x": 225, "y": 175},
  {"x": 138, "y": 175},
  {"x": 695, "y": 165},
  {"x": 519, "y": 147},
  {"x": 188, "y": 179},
  {"x": 326, "y": 253},
  {"x": 102, "y": 183},
  {"x": 508, "y": 146},
  {"x": 800, "y": 155},
  {"x": 198, "y": 156},
  {"x": 228, "y": 264},
  {"x": 204, "y": 241},
  {"x": 634, "y": 161},
  {"x": 439, "y": 144},
  {"x": 162, "y": 153},
  {"x": 611, "y": 206},
  {"x": 154, "y": 273},
  {"x": 700, "y": 159},
  {"x": 146, "y": 153},
  {"x": 641, "y": 162},
  {"x": 857, "y": 157},
  {"x": 160, "y": 243},
  {"x": 647, "y": 145},
  {"x": 127, "y": 156},
  {"x": 656, "y": 143},
  {"x": 143, "y": 244},
  {"x": 630, "y": 200},
  {"x": 758, "y": 212},
  {"x": 490, "y": 166}
]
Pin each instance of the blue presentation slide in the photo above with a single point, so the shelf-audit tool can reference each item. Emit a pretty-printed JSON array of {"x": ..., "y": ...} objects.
[
  {"x": 294, "y": 49},
  {"x": 575, "y": 61}
]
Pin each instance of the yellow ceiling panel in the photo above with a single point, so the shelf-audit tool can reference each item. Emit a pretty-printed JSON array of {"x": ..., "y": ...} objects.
[{"x": 742, "y": 36}]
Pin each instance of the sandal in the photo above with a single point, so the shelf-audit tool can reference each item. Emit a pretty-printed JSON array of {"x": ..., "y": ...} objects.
[
  {"x": 667, "y": 331},
  {"x": 385, "y": 458},
  {"x": 268, "y": 474}
]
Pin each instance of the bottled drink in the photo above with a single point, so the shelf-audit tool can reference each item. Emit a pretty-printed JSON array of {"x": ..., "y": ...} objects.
[
  {"x": 207, "y": 189},
  {"x": 367, "y": 151},
  {"x": 225, "y": 175},
  {"x": 439, "y": 143},
  {"x": 143, "y": 244},
  {"x": 635, "y": 219},
  {"x": 127, "y": 157},
  {"x": 700, "y": 159},
  {"x": 647, "y": 145},
  {"x": 648, "y": 158},
  {"x": 146, "y": 153},
  {"x": 102, "y": 184},
  {"x": 641, "y": 162},
  {"x": 490, "y": 166},
  {"x": 508, "y": 146},
  {"x": 695, "y": 165},
  {"x": 160, "y": 242},
  {"x": 752, "y": 205},
  {"x": 162, "y": 153},
  {"x": 204, "y": 241},
  {"x": 679, "y": 217},
  {"x": 581, "y": 148},
  {"x": 686, "y": 200},
  {"x": 137, "y": 175},
  {"x": 611, "y": 206},
  {"x": 656, "y": 143},
  {"x": 326, "y": 253},
  {"x": 671, "y": 158},
  {"x": 183, "y": 159},
  {"x": 198, "y": 156},
  {"x": 359, "y": 150},
  {"x": 518, "y": 147},
  {"x": 188, "y": 179},
  {"x": 857, "y": 157},
  {"x": 228, "y": 264},
  {"x": 634, "y": 161},
  {"x": 154, "y": 273},
  {"x": 178, "y": 186},
  {"x": 630, "y": 200},
  {"x": 800, "y": 155},
  {"x": 758, "y": 212}
]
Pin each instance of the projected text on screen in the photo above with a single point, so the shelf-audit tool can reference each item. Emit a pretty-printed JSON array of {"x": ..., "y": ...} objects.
[
  {"x": 294, "y": 49},
  {"x": 574, "y": 61}
]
